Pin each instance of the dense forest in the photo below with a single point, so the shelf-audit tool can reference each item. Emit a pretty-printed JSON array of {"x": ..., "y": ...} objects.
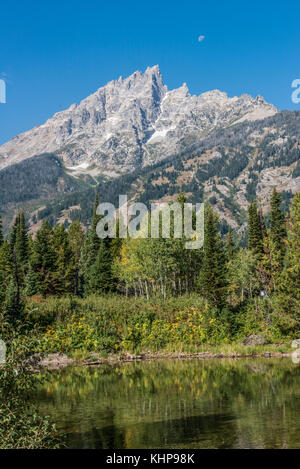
[{"x": 70, "y": 262}]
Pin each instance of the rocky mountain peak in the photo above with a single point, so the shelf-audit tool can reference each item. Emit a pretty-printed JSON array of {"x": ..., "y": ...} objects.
[{"x": 131, "y": 122}]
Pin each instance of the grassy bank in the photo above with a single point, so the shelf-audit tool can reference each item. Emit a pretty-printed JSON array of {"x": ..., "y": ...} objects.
[{"x": 115, "y": 325}]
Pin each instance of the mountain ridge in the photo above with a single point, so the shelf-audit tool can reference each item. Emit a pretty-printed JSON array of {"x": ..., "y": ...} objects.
[
  {"x": 212, "y": 147},
  {"x": 130, "y": 123}
]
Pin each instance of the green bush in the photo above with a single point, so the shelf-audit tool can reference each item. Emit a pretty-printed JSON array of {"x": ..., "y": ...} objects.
[{"x": 21, "y": 426}]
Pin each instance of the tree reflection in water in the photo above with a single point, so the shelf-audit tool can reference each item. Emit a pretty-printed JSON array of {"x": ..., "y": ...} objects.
[{"x": 250, "y": 403}]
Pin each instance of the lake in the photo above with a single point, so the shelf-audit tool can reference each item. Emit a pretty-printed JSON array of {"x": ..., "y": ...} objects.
[{"x": 217, "y": 403}]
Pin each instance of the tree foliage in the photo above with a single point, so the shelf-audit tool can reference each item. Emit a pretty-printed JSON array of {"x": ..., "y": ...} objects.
[{"x": 59, "y": 261}]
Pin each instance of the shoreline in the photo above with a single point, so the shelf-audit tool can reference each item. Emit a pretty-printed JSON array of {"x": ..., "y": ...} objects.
[{"x": 58, "y": 361}]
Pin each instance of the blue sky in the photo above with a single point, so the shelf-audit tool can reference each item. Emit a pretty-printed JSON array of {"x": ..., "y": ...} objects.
[{"x": 55, "y": 53}]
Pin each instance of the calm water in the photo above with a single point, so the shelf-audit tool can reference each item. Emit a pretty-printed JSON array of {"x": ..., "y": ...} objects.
[{"x": 176, "y": 404}]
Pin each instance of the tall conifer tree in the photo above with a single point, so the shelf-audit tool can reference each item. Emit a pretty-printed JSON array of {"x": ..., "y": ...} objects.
[
  {"x": 277, "y": 228},
  {"x": 6, "y": 268},
  {"x": 64, "y": 273},
  {"x": 100, "y": 275},
  {"x": 43, "y": 259},
  {"x": 76, "y": 239},
  {"x": 255, "y": 230},
  {"x": 230, "y": 245},
  {"x": 21, "y": 248},
  {"x": 1, "y": 232},
  {"x": 288, "y": 305},
  {"x": 212, "y": 278}
]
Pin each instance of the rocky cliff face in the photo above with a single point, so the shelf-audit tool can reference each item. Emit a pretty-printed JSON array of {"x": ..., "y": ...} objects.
[{"x": 132, "y": 123}]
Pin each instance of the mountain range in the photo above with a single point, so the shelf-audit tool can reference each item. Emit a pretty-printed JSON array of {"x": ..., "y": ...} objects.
[{"x": 135, "y": 136}]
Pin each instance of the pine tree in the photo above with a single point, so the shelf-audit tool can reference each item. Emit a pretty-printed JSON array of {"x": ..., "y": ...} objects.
[
  {"x": 13, "y": 232},
  {"x": 263, "y": 228},
  {"x": 14, "y": 304},
  {"x": 181, "y": 199},
  {"x": 43, "y": 259},
  {"x": 293, "y": 259},
  {"x": 255, "y": 230},
  {"x": 230, "y": 245},
  {"x": 6, "y": 268},
  {"x": 94, "y": 239},
  {"x": 270, "y": 262},
  {"x": 212, "y": 278},
  {"x": 20, "y": 250},
  {"x": 287, "y": 310},
  {"x": 32, "y": 282},
  {"x": 116, "y": 243},
  {"x": 21, "y": 245},
  {"x": 277, "y": 229},
  {"x": 76, "y": 239},
  {"x": 64, "y": 272},
  {"x": 90, "y": 249},
  {"x": 100, "y": 275},
  {"x": 264, "y": 268},
  {"x": 1, "y": 232}
]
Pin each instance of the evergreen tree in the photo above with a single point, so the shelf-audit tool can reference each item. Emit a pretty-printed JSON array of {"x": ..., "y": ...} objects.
[
  {"x": 181, "y": 199},
  {"x": 90, "y": 249},
  {"x": 64, "y": 273},
  {"x": 76, "y": 238},
  {"x": 94, "y": 239},
  {"x": 116, "y": 243},
  {"x": 32, "y": 282},
  {"x": 14, "y": 304},
  {"x": 230, "y": 245},
  {"x": 271, "y": 261},
  {"x": 21, "y": 245},
  {"x": 13, "y": 232},
  {"x": 287, "y": 309},
  {"x": 212, "y": 278},
  {"x": 263, "y": 228},
  {"x": 255, "y": 230},
  {"x": 277, "y": 229},
  {"x": 264, "y": 267},
  {"x": 21, "y": 248},
  {"x": 43, "y": 259},
  {"x": 100, "y": 275},
  {"x": 6, "y": 268},
  {"x": 1, "y": 232}
]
